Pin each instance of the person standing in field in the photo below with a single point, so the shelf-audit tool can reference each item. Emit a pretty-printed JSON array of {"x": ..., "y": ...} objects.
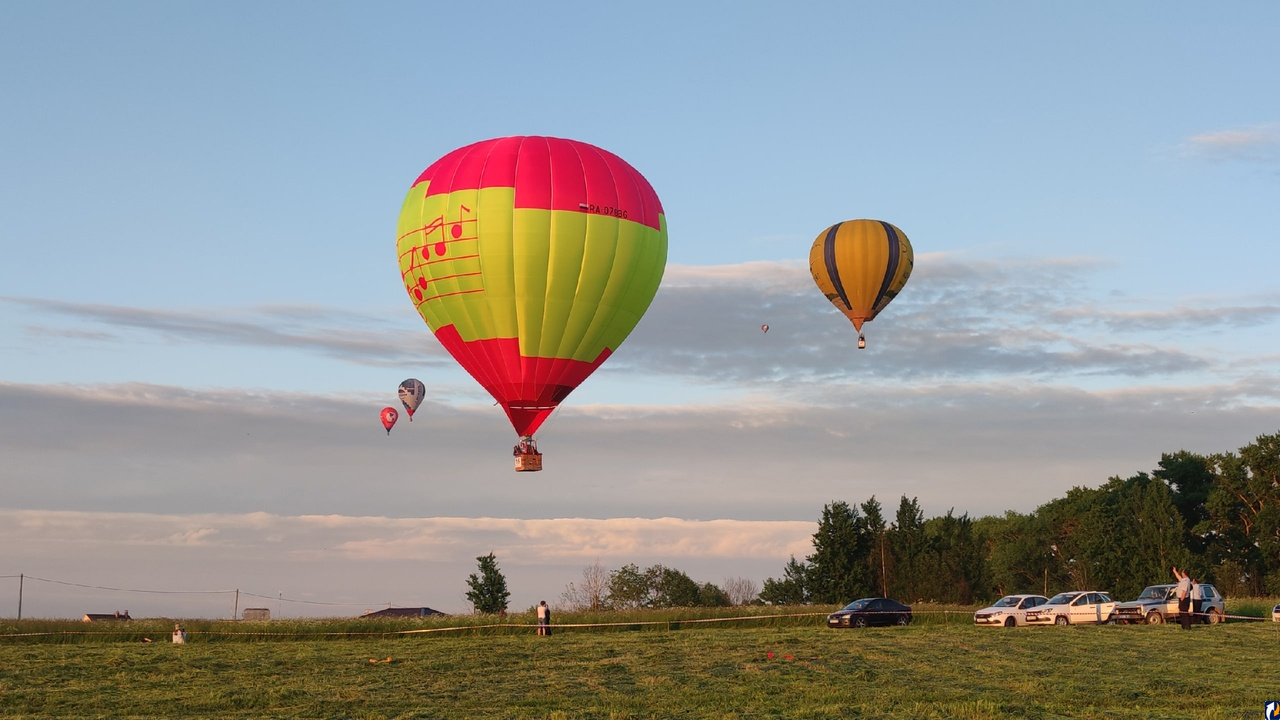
[
  {"x": 544, "y": 618},
  {"x": 1183, "y": 593},
  {"x": 1197, "y": 595}
]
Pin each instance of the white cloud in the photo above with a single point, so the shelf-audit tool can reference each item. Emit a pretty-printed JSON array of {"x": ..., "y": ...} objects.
[
  {"x": 258, "y": 552},
  {"x": 1259, "y": 143}
]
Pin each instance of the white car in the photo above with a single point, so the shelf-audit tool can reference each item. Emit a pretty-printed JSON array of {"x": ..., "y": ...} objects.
[
  {"x": 1275, "y": 614},
  {"x": 1008, "y": 611},
  {"x": 1078, "y": 607}
]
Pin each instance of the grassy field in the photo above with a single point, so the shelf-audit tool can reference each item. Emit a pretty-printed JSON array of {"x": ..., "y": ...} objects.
[{"x": 784, "y": 667}]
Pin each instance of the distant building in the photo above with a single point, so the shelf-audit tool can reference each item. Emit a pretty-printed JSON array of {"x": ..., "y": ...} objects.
[
  {"x": 256, "y": 614},
  {"x": 401, "y": 612},
  {"x": 96, "y": 617}
]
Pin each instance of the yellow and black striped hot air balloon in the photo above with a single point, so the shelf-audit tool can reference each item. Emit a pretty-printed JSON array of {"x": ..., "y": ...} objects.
[{"x": 861, "y": 265}]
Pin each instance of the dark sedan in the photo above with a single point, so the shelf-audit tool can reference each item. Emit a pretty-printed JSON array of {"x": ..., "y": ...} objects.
[{"x": 870, "y": 611}]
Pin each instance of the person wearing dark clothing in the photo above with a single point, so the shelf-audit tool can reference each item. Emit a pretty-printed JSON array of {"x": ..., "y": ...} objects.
[{"x": 1183, "y": 591}]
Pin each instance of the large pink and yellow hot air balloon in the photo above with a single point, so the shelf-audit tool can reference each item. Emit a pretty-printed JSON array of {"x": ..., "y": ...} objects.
[{"x": 531, "y": 259}]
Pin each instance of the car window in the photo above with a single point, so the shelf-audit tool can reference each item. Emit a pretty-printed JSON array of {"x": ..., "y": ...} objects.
[
  {"x": 1007, "y": 601},
  {"x": 1080, "y": 600},
  {"x": 1155, "y": 592},
  {"x": 1061, "y": 599},
  {"x": 1026, "y": 603},
  {"x": 875, "y": 605}
]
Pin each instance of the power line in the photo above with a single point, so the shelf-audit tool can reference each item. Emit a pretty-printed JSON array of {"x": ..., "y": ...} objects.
[{"x": 116, "y": 589}]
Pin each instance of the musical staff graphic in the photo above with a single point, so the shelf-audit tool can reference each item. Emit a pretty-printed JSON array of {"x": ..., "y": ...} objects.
[{"x": 443, "y": 258}]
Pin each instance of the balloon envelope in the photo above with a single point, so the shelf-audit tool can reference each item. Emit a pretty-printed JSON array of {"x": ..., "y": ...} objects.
[
  {"x": 531, "y": 259},
  {"x": 389, "y": 417},
  {"x": 411, "y": 394},
  {"x": 861, "y": 265}
]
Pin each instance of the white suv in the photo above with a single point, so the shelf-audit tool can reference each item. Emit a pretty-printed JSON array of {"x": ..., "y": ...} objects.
[{"x": 1159, "y": 604}]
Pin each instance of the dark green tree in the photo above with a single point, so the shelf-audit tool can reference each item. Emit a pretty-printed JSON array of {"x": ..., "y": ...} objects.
[
  {"x": 1017, "y": 549},
  {"x": 908, "y": 546},
  {"x": 791, "y": 589},
  {"x": 488, "y": 590},
  {"x": 879, "y": 561},
  {"x": 711, "y": 595},
  {"x": 955, "y": 556},
  {"x": 671, "y": 588},
  {"x": 839, "y": 566},
  {"x": 1190, "y": 477},
  {"x": 628, "y": 588}
]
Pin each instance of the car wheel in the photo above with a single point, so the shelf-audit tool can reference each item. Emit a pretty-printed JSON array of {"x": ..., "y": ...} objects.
[
  {"x": 1010, "y": 621},
  {"x": 1155, "y": 618},
  {"x": 1215, "y": 616},
  {"x": 1061, "y": 620},
  {"x": 903, "y": 619},
  {"x": 859, "y": 622}
]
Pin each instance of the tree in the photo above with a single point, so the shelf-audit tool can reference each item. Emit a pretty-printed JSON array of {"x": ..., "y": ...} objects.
[
  {"x": 592, "y": 593},
  {"x": 628, "y": 588},
  {"x": 488, "y": 593},
  {"x": 671, "y": 588},
  {"x": 908, "y": 547},
  {"x": 878, "y": 560},
  {"x": 1017, "y": 552},
  {"x": 792, "y": 589},
  {"x": 711, "y": 595},
  {"x": 838, "y": 567},
  {"x": 741, "y": 591}
]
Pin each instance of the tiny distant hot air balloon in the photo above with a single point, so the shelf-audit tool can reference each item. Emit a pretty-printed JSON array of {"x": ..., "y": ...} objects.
[
  {"x": 389, "y": 417},
  {"x": 411, "y": 394},
  {"x": 531, "y": 259},
  {"x": 861, "y": 265},
  {"x": 764, "y": 328}
]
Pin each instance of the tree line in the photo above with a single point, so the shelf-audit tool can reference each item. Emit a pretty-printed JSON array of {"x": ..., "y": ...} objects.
[{"x": 1216, "y": 515}]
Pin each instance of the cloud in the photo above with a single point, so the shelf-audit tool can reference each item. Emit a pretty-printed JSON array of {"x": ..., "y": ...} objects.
[
  {"x": 331, "y": 332},
  {"x": 212, "y": 554},
  {"x": 991, "y": 446},
  {"x": 1259, "y": 143},
  {"x": 958, "y": 318}
]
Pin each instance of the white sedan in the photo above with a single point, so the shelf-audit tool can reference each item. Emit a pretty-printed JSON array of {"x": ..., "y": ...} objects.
[
  {"x": 1008, "y": 611},
  {"x": 1073, "y": 608}
]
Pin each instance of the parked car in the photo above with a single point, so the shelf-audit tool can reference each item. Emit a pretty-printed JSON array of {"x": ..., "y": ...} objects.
[
  {"x": 1275, "y": 614},
  {"x": 1073, "y": 608},
  {"x": 870, "y": 611},
  {"x": 1008, "y": 611},
  {"x": 1158, "y": 604}
]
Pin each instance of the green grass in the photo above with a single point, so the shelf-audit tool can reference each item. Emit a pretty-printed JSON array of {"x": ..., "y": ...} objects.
[{"x": 940, "y": 667}]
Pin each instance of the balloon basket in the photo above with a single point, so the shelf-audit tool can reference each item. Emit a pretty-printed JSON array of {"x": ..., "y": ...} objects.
[{"x": 529, "y": 462}]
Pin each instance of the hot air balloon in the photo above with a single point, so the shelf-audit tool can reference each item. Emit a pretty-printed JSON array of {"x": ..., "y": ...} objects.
[
  {"x": 389, "y": 417},
  {"x": 861, "y": 265},
  {"x": 764, "y": 328},
  {"x": 531, "y": 259},
  {"x": 411, "y": 394}
]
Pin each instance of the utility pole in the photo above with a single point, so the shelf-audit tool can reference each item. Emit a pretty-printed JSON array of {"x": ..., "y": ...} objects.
[
  {"x": 21, "y": 577},
  {"x": 884, "y": 579},
  {"x": 235, "y": 609}
]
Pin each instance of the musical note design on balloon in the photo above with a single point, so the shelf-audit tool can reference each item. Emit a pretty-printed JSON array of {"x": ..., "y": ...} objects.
[{"x": 444, "y": 256}]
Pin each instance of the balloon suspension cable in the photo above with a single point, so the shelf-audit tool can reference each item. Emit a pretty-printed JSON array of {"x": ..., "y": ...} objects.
[{"x": 546, "y": 426}]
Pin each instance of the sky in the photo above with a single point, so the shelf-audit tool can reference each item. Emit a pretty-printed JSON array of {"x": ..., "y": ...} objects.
[{"x": 201, "y": 314}]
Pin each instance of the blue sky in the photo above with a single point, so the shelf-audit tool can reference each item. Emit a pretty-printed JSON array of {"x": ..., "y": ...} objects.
[{"x": 200, "y": 313}]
